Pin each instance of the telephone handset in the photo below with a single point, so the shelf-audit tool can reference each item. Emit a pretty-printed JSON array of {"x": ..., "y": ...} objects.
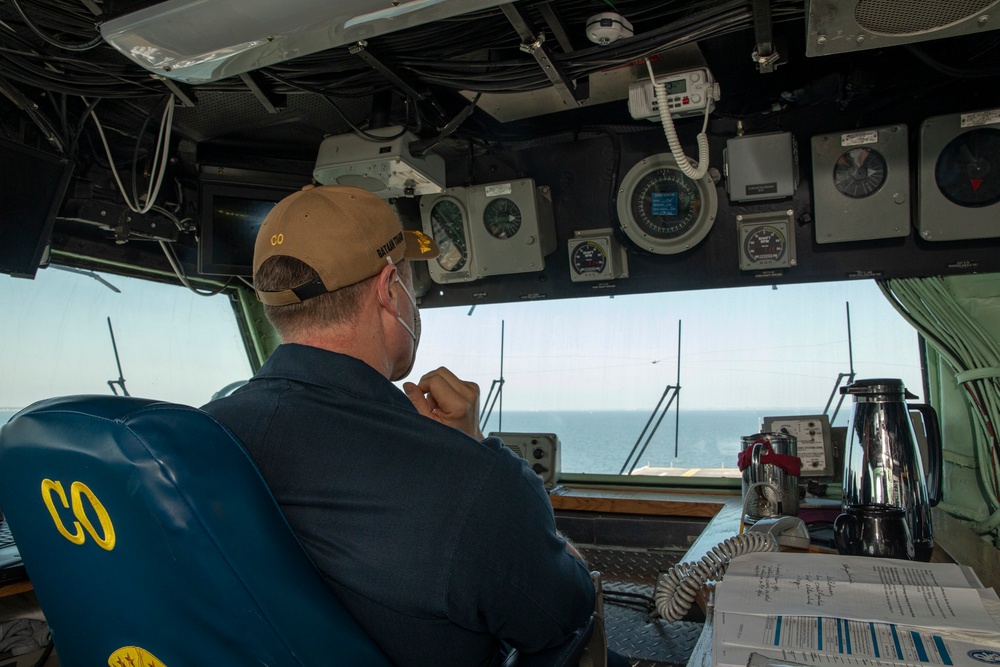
[
  {"x": 790, "y": 531},
  {"x": 677, "y": 588}
]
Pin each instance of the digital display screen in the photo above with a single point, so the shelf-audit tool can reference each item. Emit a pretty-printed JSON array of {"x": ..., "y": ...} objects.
[
  {"x": 231, "y": 215},
  {"x": 237, "y": 222},
  {"x": 664, "y": 203},
  {"x": 677, "y": 87}
]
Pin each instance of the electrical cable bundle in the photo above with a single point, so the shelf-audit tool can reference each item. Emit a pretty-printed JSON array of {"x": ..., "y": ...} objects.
[
  {"x": 974, "y": 354},
  {"x": 447, "y": 53}
]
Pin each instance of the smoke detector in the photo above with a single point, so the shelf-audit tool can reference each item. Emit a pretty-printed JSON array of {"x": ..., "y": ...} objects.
[{"x": 607, "y": 27}]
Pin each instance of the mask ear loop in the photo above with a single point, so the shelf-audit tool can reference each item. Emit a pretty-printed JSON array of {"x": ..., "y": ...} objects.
[
  {"x": 411, "y": 297},
  {"x": 381, "y": 302}
]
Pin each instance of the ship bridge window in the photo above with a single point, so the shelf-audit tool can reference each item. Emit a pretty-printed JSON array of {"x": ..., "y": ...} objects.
[
  {"x": 593, "y": 370},
  {"x": 171, "y": 344}
]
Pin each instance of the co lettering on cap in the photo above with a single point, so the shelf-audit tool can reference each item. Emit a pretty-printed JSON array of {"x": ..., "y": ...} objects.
[{"x": 277, "y": 239}]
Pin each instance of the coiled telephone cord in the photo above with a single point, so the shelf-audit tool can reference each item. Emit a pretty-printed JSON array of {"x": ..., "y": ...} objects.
[
  {"x": 677, "y": 588},
  {"x": 663, "y": 105}
]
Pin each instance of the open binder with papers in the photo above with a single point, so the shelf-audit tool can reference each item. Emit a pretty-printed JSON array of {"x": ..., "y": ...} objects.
[{"x": 849, "y": 610}]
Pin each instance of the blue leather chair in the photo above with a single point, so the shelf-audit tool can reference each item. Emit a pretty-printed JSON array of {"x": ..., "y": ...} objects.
[{"x": 151, "y": 539}]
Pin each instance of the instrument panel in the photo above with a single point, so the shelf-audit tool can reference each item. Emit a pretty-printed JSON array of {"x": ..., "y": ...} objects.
[{"x": 492, "y": 229}]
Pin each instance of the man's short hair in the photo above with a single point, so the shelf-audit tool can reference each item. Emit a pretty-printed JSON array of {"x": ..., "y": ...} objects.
[{"x": 332, "y": 308}]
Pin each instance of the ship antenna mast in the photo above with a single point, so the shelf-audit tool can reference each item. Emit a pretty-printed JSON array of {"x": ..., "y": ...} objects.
[{"x": 121, "y": 378}]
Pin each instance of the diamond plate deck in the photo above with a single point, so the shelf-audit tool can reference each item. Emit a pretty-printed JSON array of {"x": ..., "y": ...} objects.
[{"x": 632, "y": 629}]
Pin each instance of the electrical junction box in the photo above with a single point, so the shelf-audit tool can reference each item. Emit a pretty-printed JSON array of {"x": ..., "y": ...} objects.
[
  {"x": 540, "y": 450},
  {"x": 761, "y": 166},
  {"x": 386, "y": 169},
  {"x": 595, "y": 254}
]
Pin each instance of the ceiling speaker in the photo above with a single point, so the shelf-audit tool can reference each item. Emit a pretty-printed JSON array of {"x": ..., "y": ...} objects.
[
  {"x": 861, "y": 184},
  {"x": 844, "y": 26},
  {"x": 959, "y": 183}
]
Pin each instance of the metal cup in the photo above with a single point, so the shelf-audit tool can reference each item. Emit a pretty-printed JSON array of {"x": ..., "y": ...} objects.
[
  {"x": 773, "y": 491},
  {"x": 879, "y": 531}
]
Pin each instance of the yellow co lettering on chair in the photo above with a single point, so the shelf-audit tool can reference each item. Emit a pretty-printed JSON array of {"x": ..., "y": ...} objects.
[
  {"x": 277, "y": 239},
  {"x": 133, "y": 656},
  {"x": 78, "y": 491}
]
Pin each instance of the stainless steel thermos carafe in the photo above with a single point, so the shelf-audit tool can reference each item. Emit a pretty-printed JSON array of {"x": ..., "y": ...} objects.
[{"x": 883, "y": 467}]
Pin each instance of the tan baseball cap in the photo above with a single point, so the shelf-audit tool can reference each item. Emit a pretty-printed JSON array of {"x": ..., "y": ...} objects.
[{"x": 345, "y": 234}]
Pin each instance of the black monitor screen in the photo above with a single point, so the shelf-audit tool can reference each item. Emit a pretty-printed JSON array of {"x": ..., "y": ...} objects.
[
  {"x": 32, "y": 186},
  {"x": 231, "y": 215}
]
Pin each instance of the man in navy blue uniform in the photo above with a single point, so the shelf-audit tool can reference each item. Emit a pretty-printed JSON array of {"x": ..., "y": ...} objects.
[{"x": 440, "y": 542}]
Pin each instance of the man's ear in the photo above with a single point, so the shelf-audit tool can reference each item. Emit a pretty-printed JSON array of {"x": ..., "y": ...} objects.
[{"x": 383, "y": 285}]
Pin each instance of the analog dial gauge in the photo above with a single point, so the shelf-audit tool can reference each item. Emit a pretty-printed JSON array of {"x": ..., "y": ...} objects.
[
  {"x": 968, "y": 170},
  {"x": 448, "y": 226},
  {"x": 502, "y": 218},
  {"x": 589, "y": 258},
  {"x": 764, "y": 243},
  {"x": 859, "y": 172}
]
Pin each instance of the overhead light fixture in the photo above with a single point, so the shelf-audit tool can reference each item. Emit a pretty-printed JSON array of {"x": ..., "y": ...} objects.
[{"x": 198, "y": 41}]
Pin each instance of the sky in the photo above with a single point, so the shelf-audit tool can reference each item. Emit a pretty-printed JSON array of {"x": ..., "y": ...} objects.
[
  {"x": 172, "y": 344},
  {"x": 740, "y": 348}
]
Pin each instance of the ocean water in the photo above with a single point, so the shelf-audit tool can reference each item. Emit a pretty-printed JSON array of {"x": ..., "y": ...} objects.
[{"x": 600, "y": 442}]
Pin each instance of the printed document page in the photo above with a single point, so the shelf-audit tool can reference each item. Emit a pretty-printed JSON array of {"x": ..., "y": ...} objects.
[
  {"x": 848, "y": 610},
  {"x": 864, "y": 589},
  {"x": 835, "y": 641}
]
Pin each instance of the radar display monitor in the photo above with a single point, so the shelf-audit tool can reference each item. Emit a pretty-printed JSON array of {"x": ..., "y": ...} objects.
[{"x": 230, "y": 215}]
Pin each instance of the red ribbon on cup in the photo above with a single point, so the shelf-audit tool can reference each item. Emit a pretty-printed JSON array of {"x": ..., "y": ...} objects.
[{"x": 790, "y": 464}]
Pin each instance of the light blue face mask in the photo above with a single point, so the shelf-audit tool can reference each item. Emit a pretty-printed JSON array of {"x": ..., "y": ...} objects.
[{"x": 414, "y": 332}]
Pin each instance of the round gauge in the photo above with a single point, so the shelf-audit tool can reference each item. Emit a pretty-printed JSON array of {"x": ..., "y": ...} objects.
[
  {"x": 662, "y": 210},
  {"x": 764, "y": 243},
  {"x": 502, "y": 218},
  {"x": 588, "y": 258},
  {"x": 968, "y": 168},
  {"x": 448, "y": 228},
  {"x": 859, "y": 172}
]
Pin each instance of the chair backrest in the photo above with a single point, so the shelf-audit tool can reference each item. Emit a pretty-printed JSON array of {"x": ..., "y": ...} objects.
[{"x": 148, "y": 533}]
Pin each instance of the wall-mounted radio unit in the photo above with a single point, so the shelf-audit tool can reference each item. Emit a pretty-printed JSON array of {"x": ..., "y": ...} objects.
[
  {"x": 540, "y": 450},
  {"x": 688, "y": 93},
  {"x": 861, "y": 184}
]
